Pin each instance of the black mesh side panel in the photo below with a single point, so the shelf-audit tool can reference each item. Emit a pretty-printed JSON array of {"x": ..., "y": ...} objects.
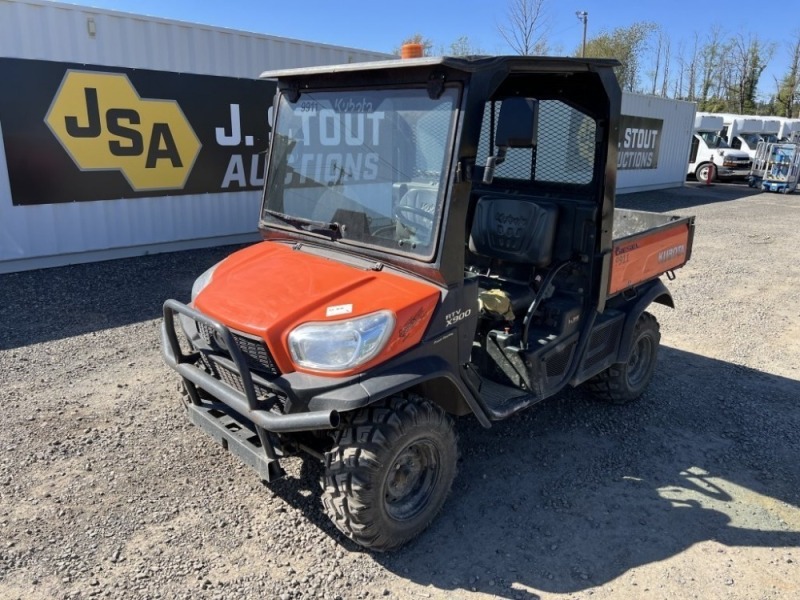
[
  {"x": 565, "y": 146},
  {"x": 557, "y": 364},
  {"x": 602, "y": 343}
]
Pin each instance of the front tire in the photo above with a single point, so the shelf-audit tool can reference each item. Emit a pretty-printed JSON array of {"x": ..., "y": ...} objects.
[
  {"x": 390, "y": 471},
  {"x": 625, "y": 382},
  {"x": 702, "y": 172}
]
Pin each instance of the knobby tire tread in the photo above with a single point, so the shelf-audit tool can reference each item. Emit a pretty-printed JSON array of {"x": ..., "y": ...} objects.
[
  {"x": 610, "y": 385},
  {"x": 349, "y": 494}
]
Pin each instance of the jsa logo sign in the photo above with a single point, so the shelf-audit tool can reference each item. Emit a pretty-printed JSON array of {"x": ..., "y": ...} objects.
[{"x": 103, "y": 124}]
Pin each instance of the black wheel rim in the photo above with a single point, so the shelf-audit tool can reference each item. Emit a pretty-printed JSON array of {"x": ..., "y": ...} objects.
[
  {"x": 639, "y": 362},
  {"x": 411, "y": 480}
]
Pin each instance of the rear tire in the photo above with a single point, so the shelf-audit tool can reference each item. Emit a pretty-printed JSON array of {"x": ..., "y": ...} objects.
[
  {"x": 390, "y": 471},
  {"x": 625, "y": 382}
]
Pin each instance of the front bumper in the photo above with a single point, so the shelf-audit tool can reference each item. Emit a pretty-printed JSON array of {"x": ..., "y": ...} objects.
[
  {"x": 733, "y": 173},
  {"x": 245, "y": 402},
  {"x": 244, "y": 414},
  {"x": 267, "y": 404}
]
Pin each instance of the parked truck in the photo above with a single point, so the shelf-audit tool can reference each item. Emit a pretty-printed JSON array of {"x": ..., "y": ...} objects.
[
  {"x": 744, "y": 132},
  {"x": 434, "y": 247},
  {"x": 710, "y": 156},
  {"x": 788, "y": 130},
  {"x": 770, "y": 129}
]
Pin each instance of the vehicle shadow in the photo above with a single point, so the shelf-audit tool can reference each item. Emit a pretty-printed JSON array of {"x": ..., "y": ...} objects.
[
  {"x": 573, "y": 493},
  {"x": 692, "y": 194},
  {"x": 51, "y": 304}
]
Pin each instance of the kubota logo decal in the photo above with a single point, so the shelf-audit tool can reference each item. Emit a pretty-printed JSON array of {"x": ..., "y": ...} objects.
[{"x": 103, "y": 124}]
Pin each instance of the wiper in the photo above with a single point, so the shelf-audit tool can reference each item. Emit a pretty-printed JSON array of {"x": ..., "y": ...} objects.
[{"x": 333, "y": 230}]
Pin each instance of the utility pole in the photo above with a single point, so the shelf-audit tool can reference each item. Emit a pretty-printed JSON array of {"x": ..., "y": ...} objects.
[{"x": 583, "y": 16}]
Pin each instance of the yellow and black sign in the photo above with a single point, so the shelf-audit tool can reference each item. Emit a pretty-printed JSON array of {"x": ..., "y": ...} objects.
[
  {"x": 103, "y": 124},
  {"x": 82, "y": 132}
]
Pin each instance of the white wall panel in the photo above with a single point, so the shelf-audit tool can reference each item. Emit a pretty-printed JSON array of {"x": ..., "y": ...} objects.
[
  {"x": 676, "y": 136},
  {"x": 51, "y": 234},
  {"x": 53, "y": 31}
]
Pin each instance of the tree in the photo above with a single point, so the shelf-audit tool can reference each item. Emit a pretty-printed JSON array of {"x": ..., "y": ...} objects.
[
  {"x": 667, "y": 60},
  {"x": 417, "y": 38},
  {"x": 787, "y": 98},
  {"x": 526, "y": 29},
  {"x": 691, "y": 70},
  {"x": 464, "y": 47},
  {"x": 710, "y": 66},
  {"x": 663, "y": 48},
  {"x": 748, "y": 59},
  {"x": 626, "y": 44}
]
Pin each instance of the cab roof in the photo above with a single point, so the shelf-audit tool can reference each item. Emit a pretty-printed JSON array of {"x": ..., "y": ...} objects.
[{"x": 468, "y": 64}]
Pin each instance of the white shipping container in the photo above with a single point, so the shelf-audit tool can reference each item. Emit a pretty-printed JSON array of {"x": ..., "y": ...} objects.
[
  {"x": 673, "y": 145},
  {"x": 57, "y": 234}
]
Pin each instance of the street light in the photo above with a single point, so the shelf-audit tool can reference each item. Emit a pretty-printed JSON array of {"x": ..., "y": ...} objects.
[{"x": 583, "y": 16}]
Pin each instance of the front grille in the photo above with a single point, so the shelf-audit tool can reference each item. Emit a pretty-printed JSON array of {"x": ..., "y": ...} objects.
[
  {"x": 736, "y": 163},
  {"x": 255, "y": 351},
  {"x": 232, "y": 379}
]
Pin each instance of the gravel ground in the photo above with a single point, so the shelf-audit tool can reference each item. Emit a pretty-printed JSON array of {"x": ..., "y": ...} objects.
[{"x": 107, "y": 491}]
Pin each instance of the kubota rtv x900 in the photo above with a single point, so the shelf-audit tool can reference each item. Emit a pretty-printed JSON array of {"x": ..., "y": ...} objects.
[{"x": 439, "y": 240}]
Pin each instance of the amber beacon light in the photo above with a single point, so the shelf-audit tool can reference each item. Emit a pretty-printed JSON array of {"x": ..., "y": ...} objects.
[{"x": 411, "y": 51}]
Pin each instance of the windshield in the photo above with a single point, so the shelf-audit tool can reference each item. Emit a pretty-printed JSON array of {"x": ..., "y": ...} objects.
[
  {"x": 362, "y": 167},
  {"x": 712, "y": 140},
  {"x": 751, "y": 139}
]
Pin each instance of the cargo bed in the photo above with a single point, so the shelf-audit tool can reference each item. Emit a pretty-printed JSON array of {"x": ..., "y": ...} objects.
[{"x": 647, "y": 245}]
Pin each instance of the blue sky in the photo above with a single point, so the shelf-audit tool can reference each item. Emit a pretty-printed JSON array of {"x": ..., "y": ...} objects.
[{"x": 381, "y": 26}]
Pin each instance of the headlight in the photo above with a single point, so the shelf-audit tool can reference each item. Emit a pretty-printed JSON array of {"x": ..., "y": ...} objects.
[
  {"x": 341, "y": 345},
  {"x": 201, "y": 282}
]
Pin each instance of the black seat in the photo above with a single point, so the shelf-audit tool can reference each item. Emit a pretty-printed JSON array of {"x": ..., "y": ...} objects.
[
  {"x": 517, "y": 230},
  {"x": 517, "y": 236}
]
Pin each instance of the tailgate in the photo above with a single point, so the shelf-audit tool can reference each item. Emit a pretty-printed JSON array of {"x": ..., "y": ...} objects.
[{"x": 649, "y": 245}]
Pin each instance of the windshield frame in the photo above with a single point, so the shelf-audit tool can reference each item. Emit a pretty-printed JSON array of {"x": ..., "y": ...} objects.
[{"x": 283, "y": 102}]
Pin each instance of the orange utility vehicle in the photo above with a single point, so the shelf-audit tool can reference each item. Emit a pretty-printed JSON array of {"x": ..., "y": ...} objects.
[{"x": 439, "y": 240}]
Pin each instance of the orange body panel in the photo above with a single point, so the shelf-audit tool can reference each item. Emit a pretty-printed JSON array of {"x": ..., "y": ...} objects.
[
  {"x": 269, "y": 289},
  {"x": 642, "y": 258}
]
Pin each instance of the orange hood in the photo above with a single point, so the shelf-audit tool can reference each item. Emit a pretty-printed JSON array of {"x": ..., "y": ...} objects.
[{"x": 269, "y": 289}]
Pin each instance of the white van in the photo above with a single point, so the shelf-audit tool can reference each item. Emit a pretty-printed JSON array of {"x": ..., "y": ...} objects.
[
  {"x": 772, "y": 126},
  {"x": 789, "y": 129},
  {"x": 710, "y": 156},
  {"x": 742, "y": 133}
]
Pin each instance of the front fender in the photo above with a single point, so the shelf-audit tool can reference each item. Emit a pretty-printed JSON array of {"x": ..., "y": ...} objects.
[{"x": 429, "y": 362}]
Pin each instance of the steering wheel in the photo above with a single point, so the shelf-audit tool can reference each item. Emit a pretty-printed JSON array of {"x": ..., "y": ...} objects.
[{"x": 404, "y": 212}]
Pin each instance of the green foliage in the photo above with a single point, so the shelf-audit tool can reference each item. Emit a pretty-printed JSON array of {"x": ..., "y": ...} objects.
[
  {"x": 787, "y": 99},
  {"x": 627, "y": 45},
  {"x": 719, "y": 70},
  {"x": 463, "y": 46}
]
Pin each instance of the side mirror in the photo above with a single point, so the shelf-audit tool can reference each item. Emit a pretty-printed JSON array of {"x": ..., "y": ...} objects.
[{"x": 517, "y": 127}]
